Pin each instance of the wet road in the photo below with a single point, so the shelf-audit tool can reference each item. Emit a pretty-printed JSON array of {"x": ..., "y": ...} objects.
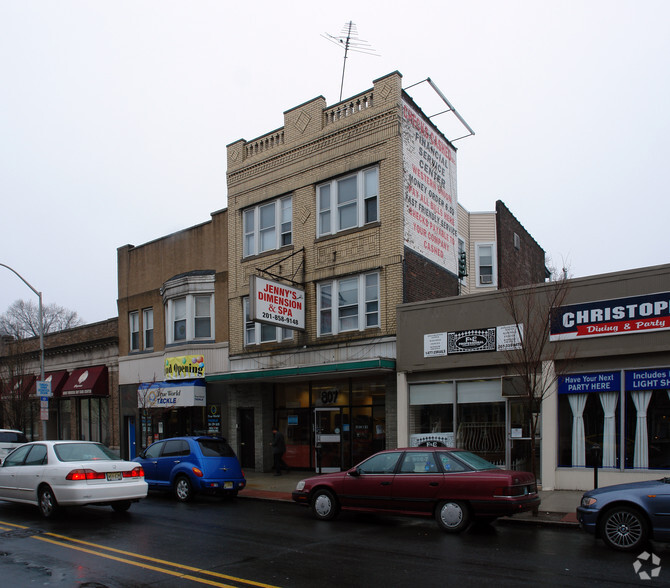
[{"x": 244, "y": 542}]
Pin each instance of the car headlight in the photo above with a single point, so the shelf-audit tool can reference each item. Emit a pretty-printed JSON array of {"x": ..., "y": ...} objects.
[
  {"x": 588, "y": 501},
  {"x": 301, "y": 486}
]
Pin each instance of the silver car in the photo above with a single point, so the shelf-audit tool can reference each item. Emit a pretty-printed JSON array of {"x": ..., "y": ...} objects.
[{"x": 53, "y": 474}]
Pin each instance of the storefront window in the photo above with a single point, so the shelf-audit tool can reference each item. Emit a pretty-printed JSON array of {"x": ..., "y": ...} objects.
[
  {"x": 590, "y": 413},
  {"x": 648, "y": 419}
]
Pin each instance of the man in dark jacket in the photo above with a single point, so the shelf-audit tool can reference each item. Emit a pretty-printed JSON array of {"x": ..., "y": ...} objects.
[{"x": 278, "y": 450}]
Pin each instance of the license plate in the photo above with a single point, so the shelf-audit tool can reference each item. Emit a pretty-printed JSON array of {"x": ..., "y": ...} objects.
[
  {"x": 227, "y": 485},
  {"x": 114, "y": 476}
]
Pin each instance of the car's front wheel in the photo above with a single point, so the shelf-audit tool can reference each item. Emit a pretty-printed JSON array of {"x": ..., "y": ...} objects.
[
  {"x": 624, "y": 528},
  {"x": 47, "y": 502},
  {"x": 452, "y": 516},
  {"x": 324, "y": 505},
  {"x": 183, "y": 489}
]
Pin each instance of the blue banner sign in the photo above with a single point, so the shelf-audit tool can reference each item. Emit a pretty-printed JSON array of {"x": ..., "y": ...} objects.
[
  {"x": 649, "y": 379},
  {"x": 584, "y": 383}
]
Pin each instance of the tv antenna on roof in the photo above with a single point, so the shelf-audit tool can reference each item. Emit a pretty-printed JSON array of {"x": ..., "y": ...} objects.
[{"x": 350, "y": 42}]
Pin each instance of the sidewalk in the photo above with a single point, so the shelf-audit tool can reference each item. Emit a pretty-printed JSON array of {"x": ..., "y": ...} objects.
[{"x": 557, "y": 507}]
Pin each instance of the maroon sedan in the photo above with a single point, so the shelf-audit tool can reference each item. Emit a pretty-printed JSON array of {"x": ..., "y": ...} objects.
[{"x": 452, "y": 485}]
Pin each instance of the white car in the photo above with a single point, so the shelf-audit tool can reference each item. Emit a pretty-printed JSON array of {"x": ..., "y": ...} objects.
[
  {"x": 51, "y": 474},
  {"x": 10, "y": 439}
]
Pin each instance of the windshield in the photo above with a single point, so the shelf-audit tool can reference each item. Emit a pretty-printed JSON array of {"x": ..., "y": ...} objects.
[
  {"x": 83, "y": 452},
  {"x": 474, "y": 461}
]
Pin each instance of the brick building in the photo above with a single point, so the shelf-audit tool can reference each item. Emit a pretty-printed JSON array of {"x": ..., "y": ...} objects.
[
  {"x": 82, "y": 366},
  {"x": 333, "y": 220}
]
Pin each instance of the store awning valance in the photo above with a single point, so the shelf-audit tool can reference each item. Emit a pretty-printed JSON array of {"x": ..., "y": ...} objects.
[{"x": 90, "y": 381}]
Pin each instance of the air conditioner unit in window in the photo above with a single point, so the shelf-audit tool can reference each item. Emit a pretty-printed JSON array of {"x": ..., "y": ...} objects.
[{"x": 486, "y": 279}]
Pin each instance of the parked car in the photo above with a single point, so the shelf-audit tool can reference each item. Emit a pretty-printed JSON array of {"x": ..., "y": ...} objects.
[
  {"x": 10, "y": 439},
  {"x": 626, "y": 516},
  {"x": 54, "y": 474},
  {"x": 189, "y": 465},
  {"x": 452, "y": 485}
]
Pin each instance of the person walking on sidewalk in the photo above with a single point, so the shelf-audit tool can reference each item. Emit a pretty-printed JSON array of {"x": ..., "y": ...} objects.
[{"x": 278, "y": 450}]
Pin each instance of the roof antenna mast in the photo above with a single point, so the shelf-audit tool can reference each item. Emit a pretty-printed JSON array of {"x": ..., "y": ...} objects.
[{"x": 350, "y": 42}]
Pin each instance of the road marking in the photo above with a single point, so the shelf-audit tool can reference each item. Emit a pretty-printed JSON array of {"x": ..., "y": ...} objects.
[{"x": 77, "y": 544}]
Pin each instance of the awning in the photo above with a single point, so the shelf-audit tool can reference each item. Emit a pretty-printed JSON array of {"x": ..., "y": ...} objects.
[
  {"x": 171, "y": 394},
  {"x": 57, "y": 380},
  {"x": 92, "y": 381},
  {"x": 18, "y": 386}
]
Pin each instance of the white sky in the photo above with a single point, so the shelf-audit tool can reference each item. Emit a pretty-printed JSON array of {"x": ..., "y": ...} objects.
[{"x": 115, "y": 116}]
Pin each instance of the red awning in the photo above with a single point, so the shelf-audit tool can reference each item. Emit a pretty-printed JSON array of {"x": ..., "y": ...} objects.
[
  {"x": 57, "y": 380},
  {"x": 90, "y": 381},
  {"x": 19, "y": 386}
]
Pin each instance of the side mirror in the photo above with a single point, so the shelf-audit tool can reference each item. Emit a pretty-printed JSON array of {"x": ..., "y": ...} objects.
[{"x": 355, "y": 472}]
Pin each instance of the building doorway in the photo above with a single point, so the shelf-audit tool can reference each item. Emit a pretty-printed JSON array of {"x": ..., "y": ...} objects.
[{"x": 247, "y": 448}]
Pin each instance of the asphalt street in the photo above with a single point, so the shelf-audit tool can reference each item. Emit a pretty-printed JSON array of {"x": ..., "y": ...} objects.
[{"x": 213, "y": 542}]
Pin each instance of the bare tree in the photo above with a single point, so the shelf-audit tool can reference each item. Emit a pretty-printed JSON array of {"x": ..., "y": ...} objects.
[
  {"x": 15, "y": 380},
  {"x": 22, "y": 319},
  {"x": 531, "y": 310}
]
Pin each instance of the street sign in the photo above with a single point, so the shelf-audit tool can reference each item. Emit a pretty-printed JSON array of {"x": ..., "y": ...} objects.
[{"x": 44, "y": 388}]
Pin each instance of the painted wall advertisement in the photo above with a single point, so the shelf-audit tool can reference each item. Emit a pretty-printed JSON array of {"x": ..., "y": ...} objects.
[
  {"x": 429, "y": 178},
  {"x": 277, "y": 304},
  {"x": 620, "y": 316}
]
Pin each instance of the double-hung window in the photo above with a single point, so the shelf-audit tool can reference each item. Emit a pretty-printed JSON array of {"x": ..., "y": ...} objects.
[
  {"x": 189, "y": 307},
  {"x": 268, "y": 226},
  {"x": 134, "y": 324},
  {"x": 256, "y": 333},
  {"x": 348, "y": 304},
  {"x": 348, "y": 202},
  {"x": 148, "y": 327},
  {"x": 486, "y": 264}
]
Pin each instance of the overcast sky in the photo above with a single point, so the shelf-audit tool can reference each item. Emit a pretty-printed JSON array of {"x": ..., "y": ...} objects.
[{"x": 115, "y": 116}]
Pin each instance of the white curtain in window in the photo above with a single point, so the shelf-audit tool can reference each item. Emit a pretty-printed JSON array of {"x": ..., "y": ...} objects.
[
  {"x": 641, "y": 454},
  {"x": 577, "y": 404},
  {"x": 609, "y": 400}
]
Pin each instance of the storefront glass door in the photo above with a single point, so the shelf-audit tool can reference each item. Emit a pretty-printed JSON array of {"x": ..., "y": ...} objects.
[{"x": 328, "y": 439}]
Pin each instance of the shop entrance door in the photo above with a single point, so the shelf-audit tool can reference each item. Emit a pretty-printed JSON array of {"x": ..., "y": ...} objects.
[
  {"x": 328, "y": 439},
  {"x": 247, "y": 449}
]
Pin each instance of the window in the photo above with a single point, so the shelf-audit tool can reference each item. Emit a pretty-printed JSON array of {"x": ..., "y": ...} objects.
[
  {"x": 268, "y": 226},
  {"x": 348, "y": 202},
  {"x": 383, "y": 463},
  {"x": 517, "y": 241},
  {"x": 179, "y": 319},
  {"x": 257, "y": 333},
  {"x": 486, "y": 264},
  {"x": 190, "y": 317},
  {"x": 134, "y": 321},
  {"x": 357, "y": 306},
  {"x": 148, "y": 326}
]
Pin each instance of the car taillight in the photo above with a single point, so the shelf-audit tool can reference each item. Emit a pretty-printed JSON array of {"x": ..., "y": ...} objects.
[
  {"x": 137, "y": 472},
  {"x": 85, "y": 474},
  {"x": 197, "y": 472}
]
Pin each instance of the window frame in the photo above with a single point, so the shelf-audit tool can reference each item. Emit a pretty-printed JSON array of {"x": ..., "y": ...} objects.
[
  {"x": 333, "y": 314},
  {"x": 189, "y": 318},
  {"x": 493, "y": 265},
  {"x": 148, "y": 328},
  {"x": 253, "y": 232},
  {"x": 134, "y": 330},
  {"x": 365, "y": 202},
  {"x": 282, "y": 334}
]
